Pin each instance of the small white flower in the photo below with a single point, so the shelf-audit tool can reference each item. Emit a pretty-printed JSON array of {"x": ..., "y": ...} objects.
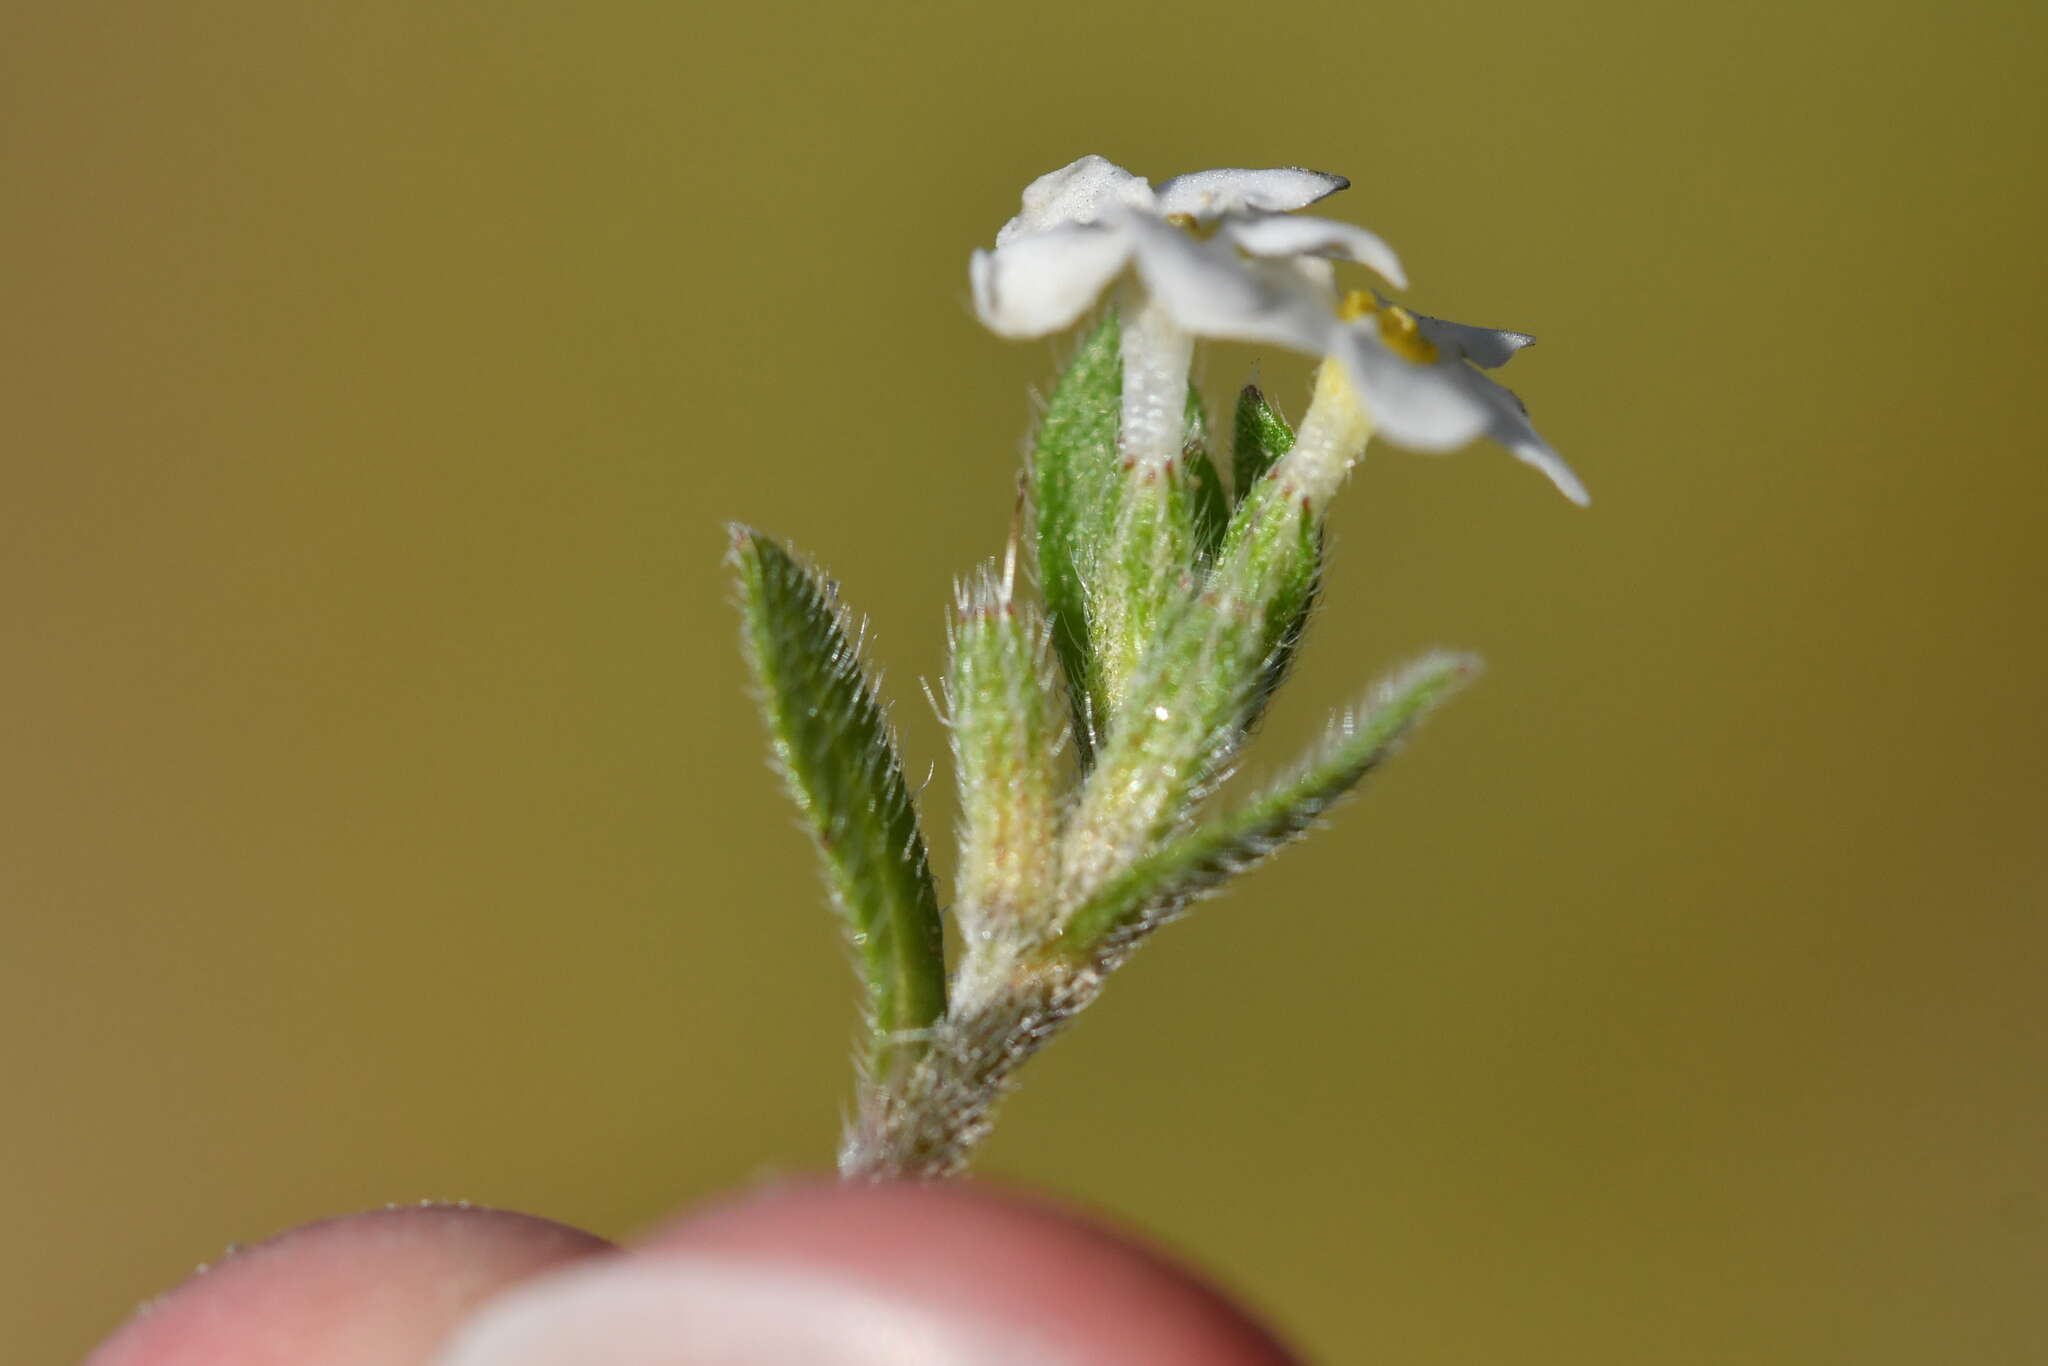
[
  {"x": 1223, "y": 254},
  {"x": 1206, "y": 255},
  {"x": 1210, "y": 249},
  {"x": 1419, "y": 380}
]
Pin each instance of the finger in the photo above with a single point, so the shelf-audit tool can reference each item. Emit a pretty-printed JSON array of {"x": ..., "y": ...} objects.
[
  {"x": 873, "y": 1275},
  {"x": 376, "y": 1289}
]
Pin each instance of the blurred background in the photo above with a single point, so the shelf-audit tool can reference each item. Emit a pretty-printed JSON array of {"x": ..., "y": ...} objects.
[{"x": 384, "y": 816}]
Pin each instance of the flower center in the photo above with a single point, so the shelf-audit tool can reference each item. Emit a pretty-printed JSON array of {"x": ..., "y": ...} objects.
[
  {"x": 1193, "y": 226},
  {"x": 1356, "y": 304},
  {"x": 1398, "y": 329}
]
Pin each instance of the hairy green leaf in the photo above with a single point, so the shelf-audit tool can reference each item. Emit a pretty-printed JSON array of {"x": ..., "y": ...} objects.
[
  {"x": 1156, "y": 888},
  {"x": 834, "y": 748}
]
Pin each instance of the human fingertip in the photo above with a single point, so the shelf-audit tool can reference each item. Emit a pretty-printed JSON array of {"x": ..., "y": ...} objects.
[
  {"x": 381, "y": 1288},
  {"x": 1083, "y": 1285},
  {"x": 891, "y": 1274},
  {"x": 692, "y": 1311}
]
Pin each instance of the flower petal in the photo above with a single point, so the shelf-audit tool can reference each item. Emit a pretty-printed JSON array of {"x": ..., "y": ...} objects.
[
  {"x": 1537, "y": 452},
  {"x": 1422, "y": 407},
  {"x": 1444, "y": 405},
  {"x": 1042, "y": 282},
  {"x": 1082, "y": 191},
  {"x": 1511, "y": 427},
  {"x": 1211, "y": 291},
  {"x": 1490, "y": 347},
  {"x": 1280, "y": 189},
  {"x": 1279, "y": 235}
]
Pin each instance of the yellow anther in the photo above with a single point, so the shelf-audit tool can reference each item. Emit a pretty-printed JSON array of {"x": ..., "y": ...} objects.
[
  {"x": 1192, "y": 225},
  {"x": 1404, "y": 338},
  {"x": 1356, "y": 304}
]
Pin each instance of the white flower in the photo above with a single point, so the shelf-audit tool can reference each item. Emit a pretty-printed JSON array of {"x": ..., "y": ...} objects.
[
  {"x": 1211, "y": 250},
  {"x": 1418, "y": 379},
  {"x": 1223, "y": 254},
  {"x": 1206, "y": 255}
]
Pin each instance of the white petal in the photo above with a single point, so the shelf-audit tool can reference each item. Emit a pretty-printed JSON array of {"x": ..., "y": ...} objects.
[
  {"x": 1211, "y": 291},
  {"x": 1422, "y": 407},
  {"x": 1317, "y": 275},
  {"x": 1211, "y": 194},
  {"x": 1537, "y": 452},
  {"x": 1491, "y": 347},
  {"x": 1082, "y": 191},
  {"x": 1279, "y": 235},
  {"x": 1445, "y": 405},
  {"x": 1511, "y": 427},
  {"x": 1043, "y": 282}
]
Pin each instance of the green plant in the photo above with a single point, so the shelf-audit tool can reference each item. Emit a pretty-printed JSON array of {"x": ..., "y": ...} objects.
[{"x": 1092, "y": 727}]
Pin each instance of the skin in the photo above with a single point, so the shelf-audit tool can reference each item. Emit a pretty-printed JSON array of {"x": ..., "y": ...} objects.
[
  {"x": 376, "y": 1289},
  {"x": 392, "y": 1287}
]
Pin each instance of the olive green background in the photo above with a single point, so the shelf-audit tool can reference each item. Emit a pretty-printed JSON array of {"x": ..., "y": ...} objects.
[{"x": 383, "y": 816}]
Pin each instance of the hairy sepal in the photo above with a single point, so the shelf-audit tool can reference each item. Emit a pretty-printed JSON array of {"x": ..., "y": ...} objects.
[
  {"x": 1146, "y": 577},
  {"x": 1008, "y": 734},
  {"x": 1209, "y": 505},
  {"x": 1073, "y": 481},
  {"x": 1114, "y": 554},
  {"x": 1183, "y": 718},
  {"x": 1158, "y": 887},
  {"x": 1262, "y": 436}
]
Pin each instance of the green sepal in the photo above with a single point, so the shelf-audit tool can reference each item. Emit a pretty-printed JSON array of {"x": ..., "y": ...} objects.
[
  {"x": 1210, "y": 504},
  {"x": 1167, "y": 531},
  {"x": 834, "y": 748},
  {"x": 1074, "y": 490},
  {"x": 1187, "y": 702},
  {"x": 1260, "y": 437},
  {"x": 1156, "y": 888},
  {"x": 1007, "y": 739},
  {"x": 1287, "y": 623},
  {"x": 1145, "y": 574}
]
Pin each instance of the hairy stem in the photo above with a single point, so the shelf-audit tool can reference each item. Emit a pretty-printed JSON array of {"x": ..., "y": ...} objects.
[{"x": 928, "y": 1123}]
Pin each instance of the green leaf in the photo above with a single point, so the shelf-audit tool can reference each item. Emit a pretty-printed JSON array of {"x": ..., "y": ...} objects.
[
  {"x": 1262, "y": 436},
  {"x": 1211, "y": 505},
  {"x": 1156, "y": 888},
  {"x": 1074, "y": 484},
  {"x": 833, "y": 745}
]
